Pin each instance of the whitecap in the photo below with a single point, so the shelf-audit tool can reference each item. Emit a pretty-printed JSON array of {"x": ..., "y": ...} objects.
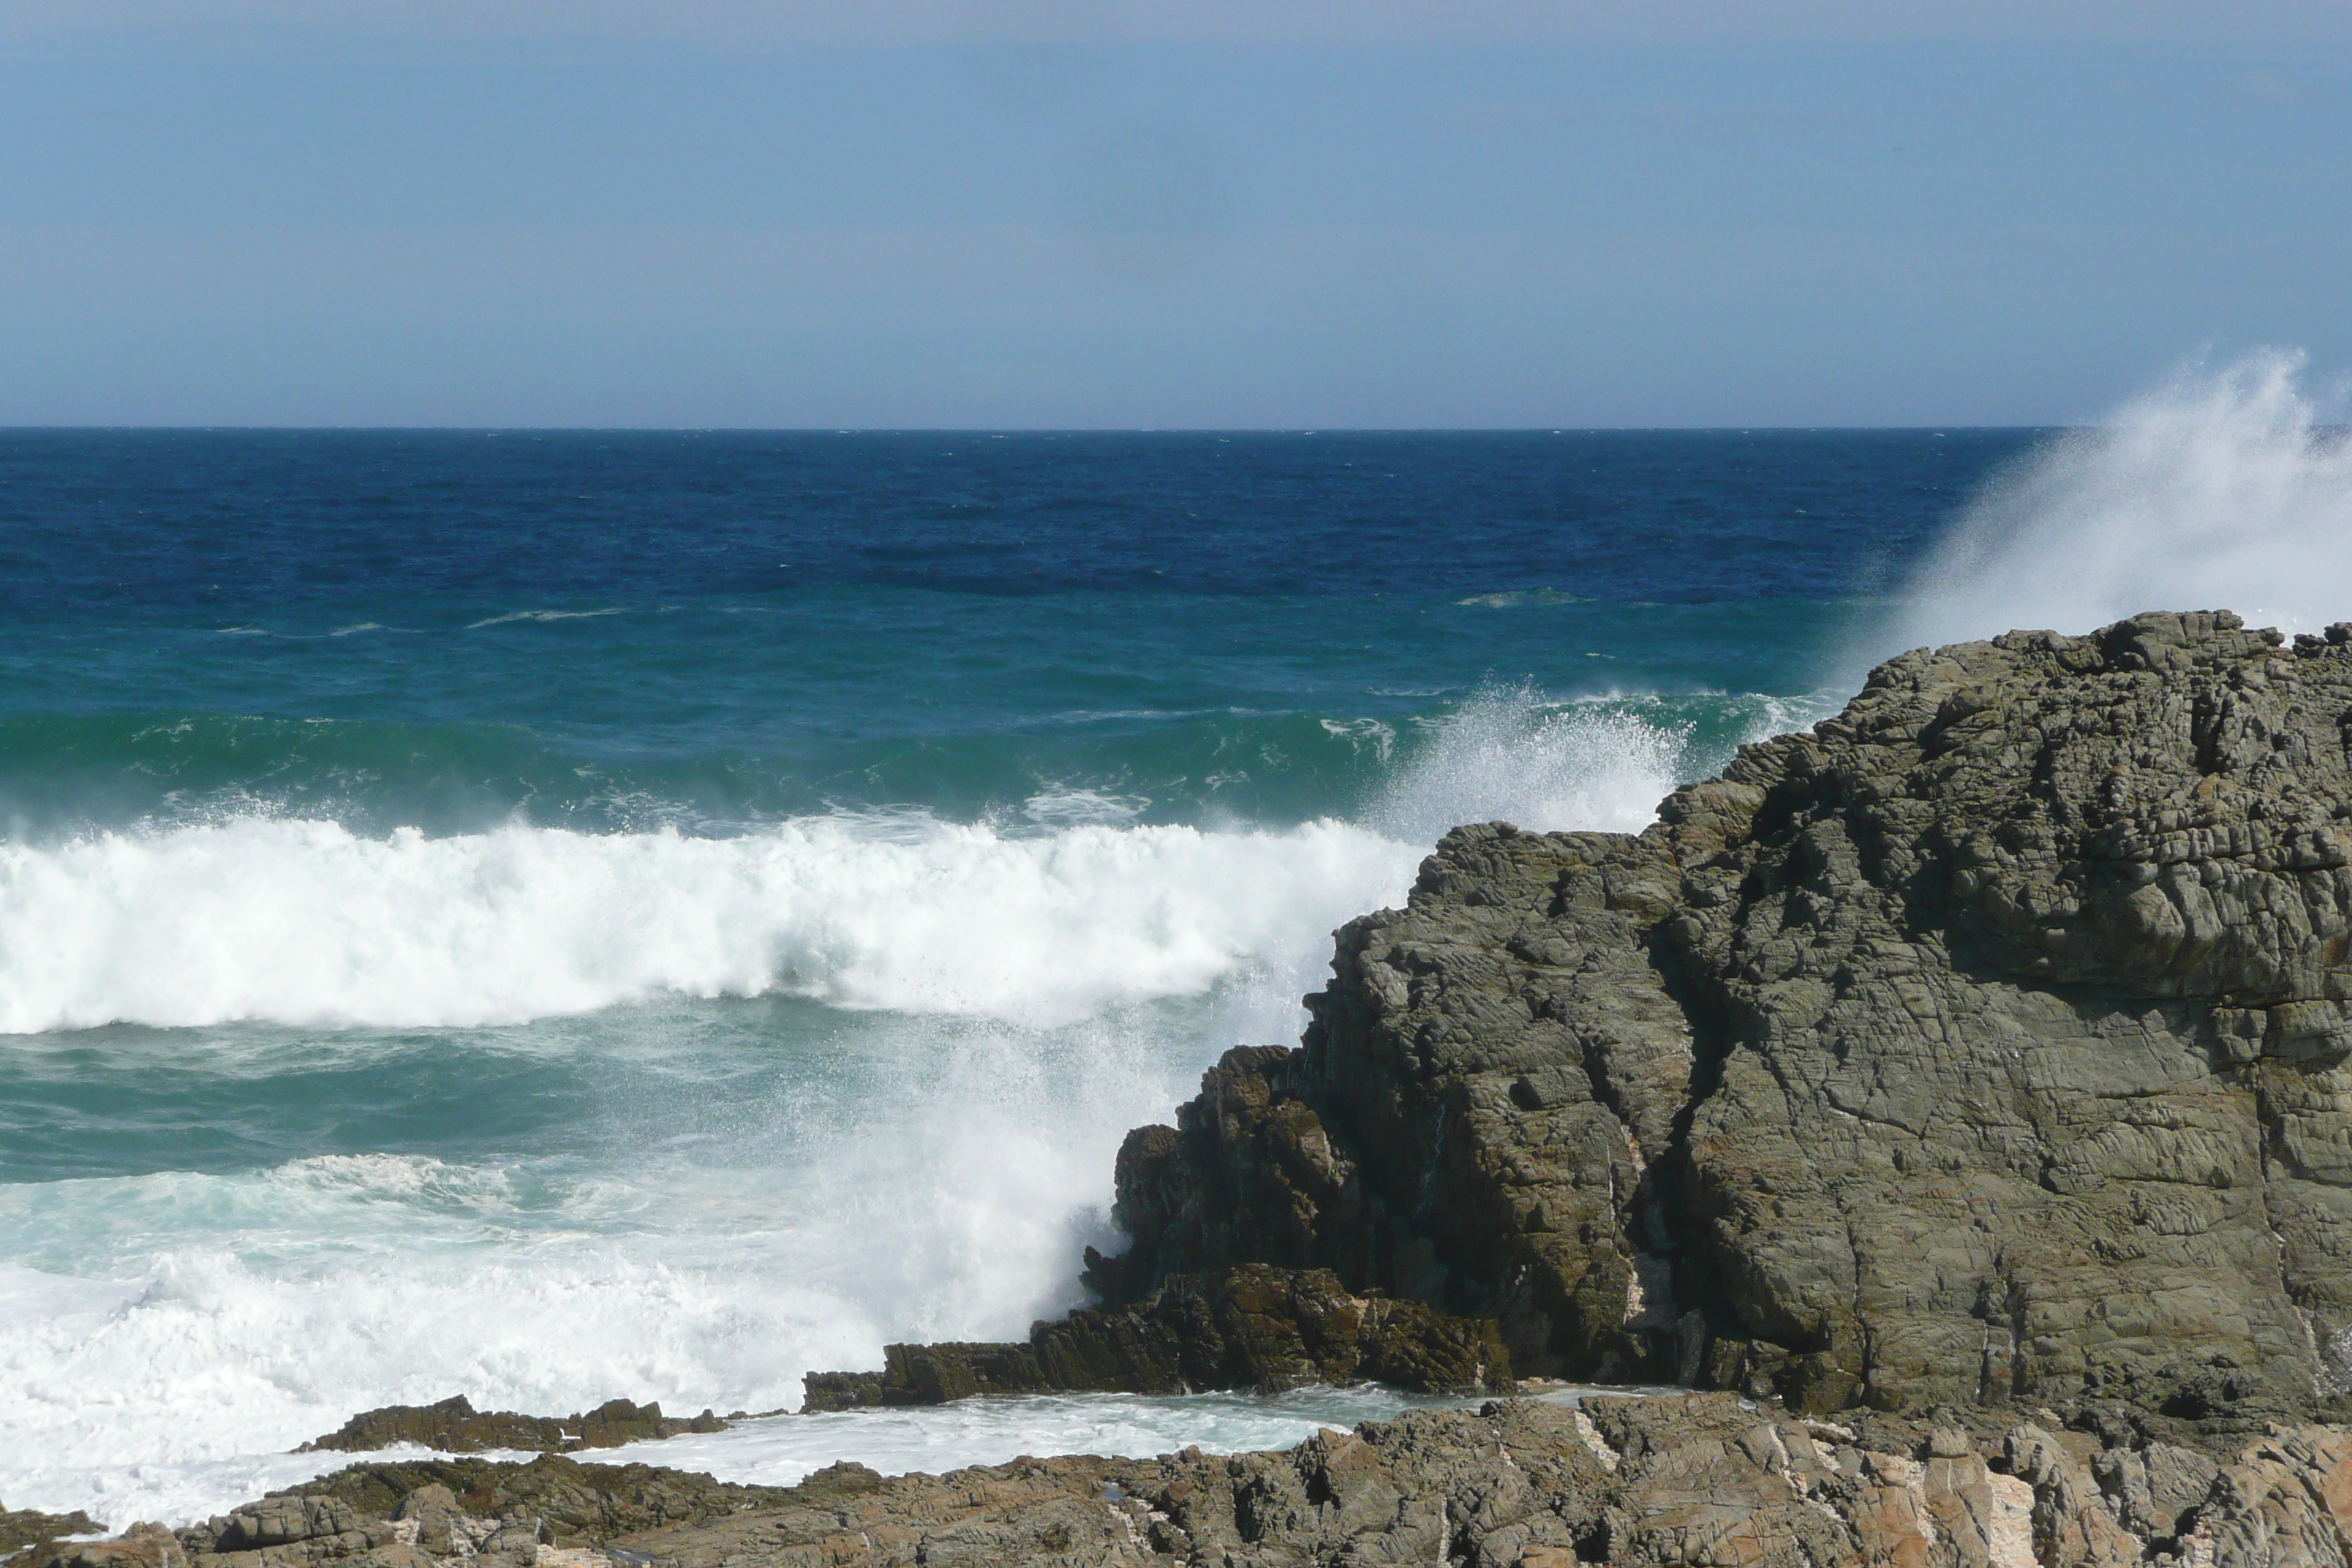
[{"x": 539, "y": 616}]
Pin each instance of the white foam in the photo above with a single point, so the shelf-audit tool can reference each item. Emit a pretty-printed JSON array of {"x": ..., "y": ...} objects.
[
  {"x": 286, "y": 1300},
  {"x": 1072, "y": 808},
  {"x": 783, "y": 1449},
  {"x": 513, "y": 615},
  {"x": 2220, "y": 489},
  {"x": 307, "y": 922},
  {"x": 1025, "y": 1000}
]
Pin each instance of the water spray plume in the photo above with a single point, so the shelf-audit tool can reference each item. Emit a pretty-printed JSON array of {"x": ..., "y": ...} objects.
[{"x": 2220, "y": 489}]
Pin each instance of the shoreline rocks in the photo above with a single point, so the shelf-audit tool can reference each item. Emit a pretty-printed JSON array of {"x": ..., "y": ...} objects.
[
  {"x": 26, "y": 1530},
  {"x": 1987, "y": 1042},
  {"x": 1699, "y": 1479},
  {"x": 1252, "y": 1326},
  {"x": 454, "y": 1426}
]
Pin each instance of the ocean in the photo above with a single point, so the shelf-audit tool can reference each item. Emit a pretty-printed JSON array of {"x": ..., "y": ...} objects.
[{"x": 559, "y": 916}]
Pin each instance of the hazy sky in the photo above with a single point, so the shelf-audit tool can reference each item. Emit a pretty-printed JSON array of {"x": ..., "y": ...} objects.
[{"x": 1300, "y": 215}]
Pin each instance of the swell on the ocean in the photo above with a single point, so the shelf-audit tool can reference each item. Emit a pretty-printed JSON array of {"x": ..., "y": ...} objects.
[{"x": 2222, "y": 488}]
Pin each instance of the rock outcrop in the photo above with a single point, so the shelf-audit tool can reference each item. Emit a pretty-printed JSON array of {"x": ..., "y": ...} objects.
[
  {"x": 25, "y": 1529},
  {"x": 1641, "y": 1483},
  {"x": 1987, "y": 1042},
  {"x": 1252, "y": 1327},
  {"x": 454, "y": 1426}
]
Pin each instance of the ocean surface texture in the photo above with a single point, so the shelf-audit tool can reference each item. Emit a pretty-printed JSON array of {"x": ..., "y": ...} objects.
[{"x": 552, "y": 917}]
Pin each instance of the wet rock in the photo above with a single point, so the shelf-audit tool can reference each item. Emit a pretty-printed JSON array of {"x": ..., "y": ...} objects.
[
  {"x": 1254, "y": 1327},
  {"x": 454, "y": 1426}
]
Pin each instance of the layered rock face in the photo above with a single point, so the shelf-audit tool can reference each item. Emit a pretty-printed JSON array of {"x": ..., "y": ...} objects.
[{"x": 1987, "y": 1043}]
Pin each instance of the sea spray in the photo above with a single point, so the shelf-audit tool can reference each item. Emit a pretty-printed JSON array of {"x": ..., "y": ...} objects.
[
  {"x": 1512, "y": 753},
  {"x": 767, "y": 970},
  {"x": 2222, "y": 488}
]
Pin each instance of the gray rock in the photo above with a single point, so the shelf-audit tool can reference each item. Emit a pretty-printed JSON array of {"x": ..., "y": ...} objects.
[
  {"x": 1254, "y": 1327},
  {"x": 1705, "y": 1479},
  {"x": 1987, "y": 1042},
  {"x": 431, "y": 1509},
  {"x": 454, "y": 1426}
]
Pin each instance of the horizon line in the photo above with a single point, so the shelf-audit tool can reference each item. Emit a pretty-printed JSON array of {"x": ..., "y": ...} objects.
[{"x": 1007, "y": 431}]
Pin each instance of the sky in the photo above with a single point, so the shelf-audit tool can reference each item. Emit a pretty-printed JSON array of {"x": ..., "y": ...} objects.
[{"x": 1289, "y": 214}]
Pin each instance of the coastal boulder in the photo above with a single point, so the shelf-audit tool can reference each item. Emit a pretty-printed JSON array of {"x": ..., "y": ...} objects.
[{"x": 1989, "y": 1041}]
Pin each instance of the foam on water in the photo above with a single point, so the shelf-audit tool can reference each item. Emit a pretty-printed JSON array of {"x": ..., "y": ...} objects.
[
  {"x": 2221, "y": 490},
  {"x": 1029, "y": 994},
  {"x": 780, "y": 1450},
  {"x": 1508, "y": 754}
]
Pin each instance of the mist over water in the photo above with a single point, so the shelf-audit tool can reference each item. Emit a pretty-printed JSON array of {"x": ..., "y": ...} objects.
[{"x": 2225, "y": 488}]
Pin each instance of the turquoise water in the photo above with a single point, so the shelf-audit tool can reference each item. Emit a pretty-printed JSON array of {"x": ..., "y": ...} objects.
[{"x": 559, "y": 917}]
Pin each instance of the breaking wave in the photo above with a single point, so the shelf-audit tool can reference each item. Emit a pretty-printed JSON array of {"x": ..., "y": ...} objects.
[{"x": 308, "y": 923}]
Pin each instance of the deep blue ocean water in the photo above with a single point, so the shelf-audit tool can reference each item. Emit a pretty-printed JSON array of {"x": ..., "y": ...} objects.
[
  {"x": 551, "y": 916},
  {"x": 606, "y": 629}
]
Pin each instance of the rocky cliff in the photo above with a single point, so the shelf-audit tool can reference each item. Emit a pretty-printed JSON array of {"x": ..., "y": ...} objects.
[{"x": 1986, "y": 1043}]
